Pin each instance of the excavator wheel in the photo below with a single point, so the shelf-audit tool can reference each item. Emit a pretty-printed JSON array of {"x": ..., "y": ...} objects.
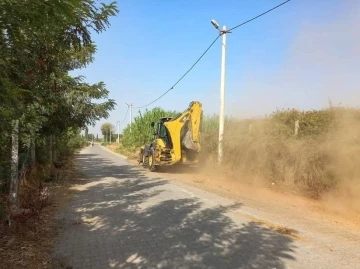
[
  {"x": 151, "y": 160},
  {"x": 145, "y": 161}
]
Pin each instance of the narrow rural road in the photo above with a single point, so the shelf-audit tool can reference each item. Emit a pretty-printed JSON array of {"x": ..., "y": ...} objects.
[{"x": 123, "y": 217}]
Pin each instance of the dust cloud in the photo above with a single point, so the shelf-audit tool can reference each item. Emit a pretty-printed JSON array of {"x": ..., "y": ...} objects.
[
  {"x": 322, "y": 64},
  {"x": 343, "y": 149},
  {"x": 324, "y": 59}
]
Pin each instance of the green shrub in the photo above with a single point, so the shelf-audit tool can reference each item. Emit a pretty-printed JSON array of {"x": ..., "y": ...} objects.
[{"x": 141, "y": 132}]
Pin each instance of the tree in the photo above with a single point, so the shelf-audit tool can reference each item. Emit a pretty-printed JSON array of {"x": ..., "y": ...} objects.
[
  {"x": 90, "y": 137},
  {"x": 141, "y": 131},
  {"x": 107, "y": 127},
  {"x": 40, "y": 42}
]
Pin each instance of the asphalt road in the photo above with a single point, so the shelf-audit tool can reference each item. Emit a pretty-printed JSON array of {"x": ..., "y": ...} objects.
[{"x": 123, "y": 217}]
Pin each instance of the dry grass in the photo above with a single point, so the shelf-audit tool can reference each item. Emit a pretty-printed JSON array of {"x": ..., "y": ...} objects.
[
  {"x": 27, "y": 242},
  {"x": 278, "y": 228},
  {"x": 321, "y": 162},
  {"x": 322, "y": 159},
  {"x": 131, "y": 153}
]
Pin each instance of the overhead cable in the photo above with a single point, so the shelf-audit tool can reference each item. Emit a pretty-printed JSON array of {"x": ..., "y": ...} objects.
[
  {"x": 202, "y": 55},
  {"x": 183, "y": 76},
  {"x": 262, "y": 14}
]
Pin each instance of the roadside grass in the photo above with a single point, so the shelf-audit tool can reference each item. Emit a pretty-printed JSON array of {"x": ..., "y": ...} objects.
[{"x": 130, "y": 152}]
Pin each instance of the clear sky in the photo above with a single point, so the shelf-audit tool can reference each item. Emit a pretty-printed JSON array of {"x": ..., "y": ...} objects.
[{"x": 297, "y": 56}]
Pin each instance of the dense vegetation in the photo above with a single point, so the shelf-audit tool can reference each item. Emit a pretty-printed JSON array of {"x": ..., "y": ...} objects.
[
  {"x": 321, "y": 157},
  {"x": 108, "y": 130},
  {"x": 40, "y": 43},
  {"x": 141, "y": 132}
]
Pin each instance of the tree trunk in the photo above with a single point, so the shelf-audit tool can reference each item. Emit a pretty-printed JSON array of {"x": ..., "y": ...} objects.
[
  {"x": 51, "y": 150},
  {"x": 33, "y": 153},
  {"x": 54, "y": 148},
  {"x": 14, "y": 183}
]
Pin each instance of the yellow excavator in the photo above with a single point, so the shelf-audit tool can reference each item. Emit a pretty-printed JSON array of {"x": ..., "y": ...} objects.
[{"x": 176, "y": 140}]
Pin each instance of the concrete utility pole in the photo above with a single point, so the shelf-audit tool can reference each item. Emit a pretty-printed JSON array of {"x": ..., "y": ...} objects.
[
  {"x": 223, "y": 33},
  {"x": 118, "y": 122},
  {"x": 130, "y": 107}
]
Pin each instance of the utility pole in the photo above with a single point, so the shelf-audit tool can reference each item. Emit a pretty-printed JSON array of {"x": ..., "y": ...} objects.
[
  {"x": 222, "y": 96},
  {"x": 223, "y": 33},
  {"x": 118, "y": 131},
  {"x": 110, "y": 134},
  {"x": 130, "y": 107}
]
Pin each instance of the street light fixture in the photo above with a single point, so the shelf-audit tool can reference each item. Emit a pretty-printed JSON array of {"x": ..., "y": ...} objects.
[
  {"x": 223, "y": 33},
  {"x": 216, "y": 25}
]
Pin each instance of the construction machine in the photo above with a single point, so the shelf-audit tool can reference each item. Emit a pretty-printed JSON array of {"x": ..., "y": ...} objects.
[{"x": 176, "y": 140}]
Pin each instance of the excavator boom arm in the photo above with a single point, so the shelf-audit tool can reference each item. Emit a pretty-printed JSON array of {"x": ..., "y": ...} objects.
[{"x": 190, "y": 135}]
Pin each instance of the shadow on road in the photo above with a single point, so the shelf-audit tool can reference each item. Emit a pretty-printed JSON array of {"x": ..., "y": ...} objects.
[
  {"x": 130, "y": 221},
  {"x": 95, "y": 166}
]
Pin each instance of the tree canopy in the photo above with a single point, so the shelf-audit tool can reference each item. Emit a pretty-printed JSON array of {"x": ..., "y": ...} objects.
[
  {"x": 106, "y": 128},
  {"x": 40, "y": 43},
  {"x": 141, "y": 132}
]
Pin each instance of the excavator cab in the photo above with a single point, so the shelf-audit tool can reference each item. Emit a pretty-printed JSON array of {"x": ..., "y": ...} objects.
[{"x": 161, "y": 131}]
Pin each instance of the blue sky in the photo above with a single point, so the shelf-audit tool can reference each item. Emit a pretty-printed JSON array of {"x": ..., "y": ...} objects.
[{"x": 297, "y": 56}]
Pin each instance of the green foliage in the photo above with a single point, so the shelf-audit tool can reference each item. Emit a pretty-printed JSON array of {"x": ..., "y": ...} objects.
[
  {"x": 105, "y": 144},
  {"x": 141, "y": 132},
  {"x": 70, "y": 142},
  {"x": 313, "y": 123},
  {"x": 106, "y": 128},
  {"x": 40, "y": 43}
]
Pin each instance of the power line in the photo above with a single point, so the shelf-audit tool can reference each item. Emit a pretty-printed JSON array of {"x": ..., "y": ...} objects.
[
  {"x": 202, "y": 55},
  {"x": 127, "y": 111},
  {"x": 262, "y": 14},
  {"x": 172, "y": 87}
]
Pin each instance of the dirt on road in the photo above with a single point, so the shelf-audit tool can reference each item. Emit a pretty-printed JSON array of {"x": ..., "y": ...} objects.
[
  {"x": 320, "y": 238},
  {"x": 274, "y": 197},
  {"x": 283, "y": 206}
]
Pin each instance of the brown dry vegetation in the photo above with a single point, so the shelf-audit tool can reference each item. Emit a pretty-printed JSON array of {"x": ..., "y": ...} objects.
[
  {"x": 321, "y": 162},
  {"x": 27, "y": 242},
  {"x": 131, "y": 153},
  {"x": 280, "y": 229}
]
